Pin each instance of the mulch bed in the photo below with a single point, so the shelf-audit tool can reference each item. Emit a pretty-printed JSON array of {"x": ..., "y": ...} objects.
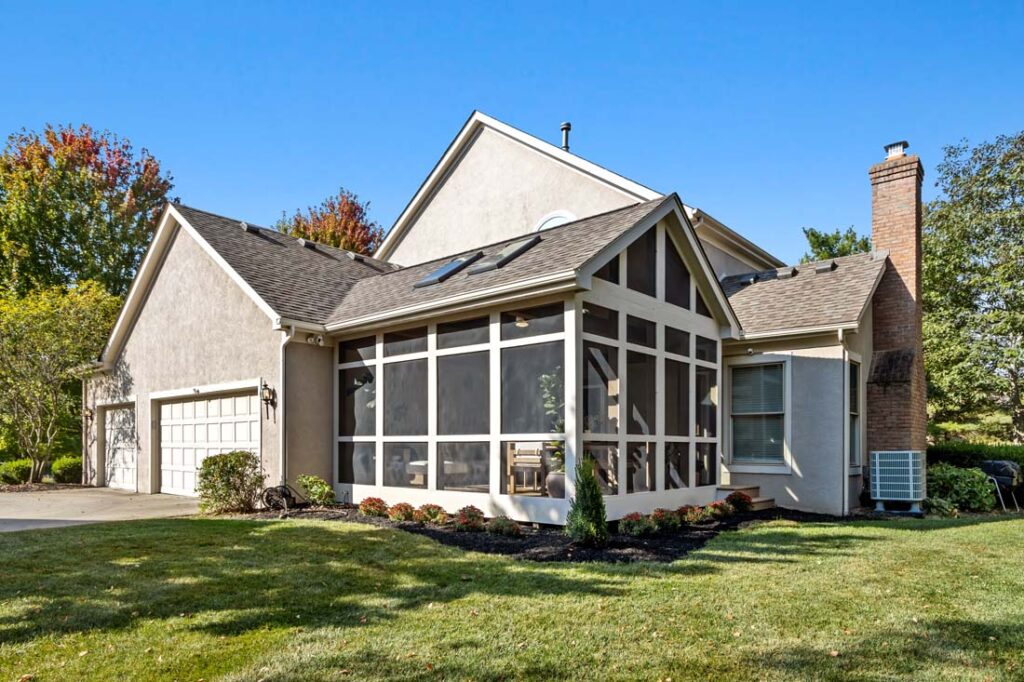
[
  {"x": 36, "y": 487},
  {"x": 549, "y": 543}
]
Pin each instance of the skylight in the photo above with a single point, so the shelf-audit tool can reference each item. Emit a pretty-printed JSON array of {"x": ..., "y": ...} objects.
[
  {"x": 447, "y": 270},
  {"x": 506, "y": 255}
]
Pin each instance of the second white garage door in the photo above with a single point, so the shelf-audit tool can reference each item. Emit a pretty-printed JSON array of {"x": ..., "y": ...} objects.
[{"x": 194, "y": 428}]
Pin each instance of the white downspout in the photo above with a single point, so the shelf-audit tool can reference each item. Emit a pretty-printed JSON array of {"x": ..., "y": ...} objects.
[
  {"x": 282, "y": 447},
  {"x": 845, "y": 421}
]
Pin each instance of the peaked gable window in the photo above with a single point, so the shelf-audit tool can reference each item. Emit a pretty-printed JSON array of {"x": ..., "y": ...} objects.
[
  {"x": 641, "y": 263},
  {"x": 677, "y": 277}
]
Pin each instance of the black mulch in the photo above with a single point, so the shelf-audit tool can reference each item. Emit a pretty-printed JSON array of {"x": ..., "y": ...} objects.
[{"x": 549, "y": 543}]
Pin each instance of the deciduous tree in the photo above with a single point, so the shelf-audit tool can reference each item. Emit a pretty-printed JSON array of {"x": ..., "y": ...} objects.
[
  {"x": 973, "y": 282},
  {"x": 341, "y": 221},
  {"x": 75, "y": 205},
  {"x": 46, "y": 337},
  {"x": 825, "y": 245}
]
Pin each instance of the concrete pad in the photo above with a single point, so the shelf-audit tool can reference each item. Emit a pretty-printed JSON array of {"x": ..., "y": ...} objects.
[{"x": 69, "y": 507}]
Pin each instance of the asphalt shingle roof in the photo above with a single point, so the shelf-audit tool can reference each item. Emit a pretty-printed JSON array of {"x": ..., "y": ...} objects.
[
  {"x": 807, "y": 299},
  {"x": 562, "y": 248},
  {"x": 297, "y": 282}
]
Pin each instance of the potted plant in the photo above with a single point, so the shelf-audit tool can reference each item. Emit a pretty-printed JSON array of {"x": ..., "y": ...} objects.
[{"x": 552, "y": 390}]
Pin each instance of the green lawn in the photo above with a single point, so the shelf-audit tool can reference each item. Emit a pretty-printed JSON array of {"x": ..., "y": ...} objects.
[{"x": 245, "y": 600}]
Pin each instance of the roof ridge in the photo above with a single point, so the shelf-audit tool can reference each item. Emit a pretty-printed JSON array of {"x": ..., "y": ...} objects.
[{"x": 525, "y": 235}]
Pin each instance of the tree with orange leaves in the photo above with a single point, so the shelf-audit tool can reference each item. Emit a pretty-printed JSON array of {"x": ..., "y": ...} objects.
[
  {"x": 75, "y": 205},
  {"x": 340, "y": 221}
]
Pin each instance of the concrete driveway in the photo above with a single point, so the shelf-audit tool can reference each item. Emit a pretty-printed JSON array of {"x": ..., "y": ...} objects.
[{"x": 69, "y": 507}]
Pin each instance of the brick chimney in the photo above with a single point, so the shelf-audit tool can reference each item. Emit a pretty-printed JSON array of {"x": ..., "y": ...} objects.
[{"x": 897, "y": 416}]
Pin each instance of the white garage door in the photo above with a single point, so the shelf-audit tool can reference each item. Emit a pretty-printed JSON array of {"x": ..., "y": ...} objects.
[
  {"x": 194, "y": 428},
  {"x": 120, "y": 448}
]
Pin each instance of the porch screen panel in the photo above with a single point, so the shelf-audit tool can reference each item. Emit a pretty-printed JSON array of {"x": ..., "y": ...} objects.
[
  {"x": 463, "y": 405},
  {"x": 405, "y": 398},
  {"x": 533, "y": 388}
]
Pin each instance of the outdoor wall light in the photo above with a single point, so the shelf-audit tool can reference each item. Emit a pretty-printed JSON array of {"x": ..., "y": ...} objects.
[
  {"x": 88, "y": 414},
  {"x": 522, "y": 322},
  {"x": 268, "y": 395}
]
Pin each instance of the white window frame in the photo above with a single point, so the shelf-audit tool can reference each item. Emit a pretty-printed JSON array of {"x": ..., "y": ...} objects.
[
  {"x": 786, "y": 465},
  {"x": 855, "y": 468}
]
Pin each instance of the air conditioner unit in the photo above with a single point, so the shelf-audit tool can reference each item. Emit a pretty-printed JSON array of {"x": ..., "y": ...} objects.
[{"x": 898, "y": 476}]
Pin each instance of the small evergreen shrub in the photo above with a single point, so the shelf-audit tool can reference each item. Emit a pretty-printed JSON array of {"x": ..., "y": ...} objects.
[
  {"x": 586, "y": 522},
  {"x": 663, "y": 519},
  {"x": 67, "y": 469},
  {"x": 503, "y": 525},
  {"x": 373, "y": 506},
  {"x": 965, "y": 489},
  {"x": 15, "y": 471},
  {"x": 740, "y": 501},
  {"x": 938, "y": 506},
  {"x": 719, "y": 509},
  {"x": 433, "y": 514},
  {"x": 469, "y": 518},
  {"x": 318, "y": 491},
  {"x": 230, "y": 482},
  {"x": 966, "y": 455},
  {"x": 403, "y": 511}
]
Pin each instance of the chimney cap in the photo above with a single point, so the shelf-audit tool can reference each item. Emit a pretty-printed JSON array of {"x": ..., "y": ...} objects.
[{"x": 894, "y": 150}]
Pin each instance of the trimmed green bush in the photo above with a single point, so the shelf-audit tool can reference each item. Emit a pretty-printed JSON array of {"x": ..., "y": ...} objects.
[
  {"x": 230, "y": 482},
  {"x": 938, "y": 506},
  {"x": 503, "y": 525},
  {"x": 373, "y": 506},
  {"x": 966, "y": 489},
  {"x": 963, "y": 454},
  {"x": 636, "y": 524},
  {"x": 587, "y": 522},
  {"x": 318, "y": 491},
  {"x": 15, "y": 471},
  {"x": 67, "y": 469},
  {"x": 469, "y": 518}
]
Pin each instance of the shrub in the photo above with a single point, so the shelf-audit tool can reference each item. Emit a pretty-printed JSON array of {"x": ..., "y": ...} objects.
[
  {"x": 230, "y": 482},
  {"x": 373, "y": 506},
  {"x": 740, "y": 501},
  {"x": 503, "y": 525},
  {"x": 663, "y": 519},
  {"x": 636, "y": 524},
  {"x": 586, "y": 522},
  {"x": 719, "y": 509},
  {"x": 317, "y": 490},
  {"x": 67, "y": 469},
  {"x": 690, "y": 514},
  {"x": 941, "y": 507},
  {"x": 962, "y": 454},
  {"x": 15, "y": 471},
  {"x": 403, "y": 511},
  {"x": 431, "y": 513},
  {"x": 469, "y": 518},
  {"x": 966, "y": 489}
]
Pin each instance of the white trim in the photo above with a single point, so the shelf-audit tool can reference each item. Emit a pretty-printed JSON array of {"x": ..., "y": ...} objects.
[
  {"x": 227, "y": 387},
  {"x": 740, "y": 467},
  {"x": 476, "y": 122},
  {"x": 477, "y": 299},
  {"x": 568, "y": 217},
  {"x": 800, "y": 331},
  {"x": 733, "y": 243}
]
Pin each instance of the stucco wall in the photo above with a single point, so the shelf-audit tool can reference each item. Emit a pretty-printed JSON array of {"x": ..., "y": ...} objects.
[
  {"x": 724, "y": 264},
  {"x": 196, "y": 328},
  {"x": 817, "y": 416},
  {"x": 499, "y": 189},
  {"x": 309, "y": 404}
]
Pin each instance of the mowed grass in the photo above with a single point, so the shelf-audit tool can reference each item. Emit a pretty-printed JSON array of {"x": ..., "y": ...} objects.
[{"x": 246, "y": 600}]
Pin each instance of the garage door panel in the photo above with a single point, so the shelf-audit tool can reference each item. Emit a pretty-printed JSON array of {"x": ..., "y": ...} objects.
[
  {"x": 194, "y": 429},
  {"x": 120, "y": 448}
]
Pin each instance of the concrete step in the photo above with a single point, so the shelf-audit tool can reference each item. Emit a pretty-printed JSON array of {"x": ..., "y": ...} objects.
[
  {"x": 760, "y": 503},
  {"x": 726, "y": 490}
]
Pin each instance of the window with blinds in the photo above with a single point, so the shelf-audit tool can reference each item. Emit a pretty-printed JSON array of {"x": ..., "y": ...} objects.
[
  {"x": 855, "y": 457},
  {"x": 758, "y": 413}
]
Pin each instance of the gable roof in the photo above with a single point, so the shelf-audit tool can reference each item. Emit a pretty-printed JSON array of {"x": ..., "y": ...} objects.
[
  {"x": 633, "y": 190},
  {"x": 768, "y": 303},
  {"x": 561, "y": 260},
  {"x": 298, "y": 283}
]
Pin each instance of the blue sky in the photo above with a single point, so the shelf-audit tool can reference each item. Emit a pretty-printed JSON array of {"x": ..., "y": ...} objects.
[{"x": 766, "y": 116}]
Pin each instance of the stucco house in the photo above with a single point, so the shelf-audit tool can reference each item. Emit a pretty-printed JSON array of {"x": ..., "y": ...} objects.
[{"x": 528, "y": 307}]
